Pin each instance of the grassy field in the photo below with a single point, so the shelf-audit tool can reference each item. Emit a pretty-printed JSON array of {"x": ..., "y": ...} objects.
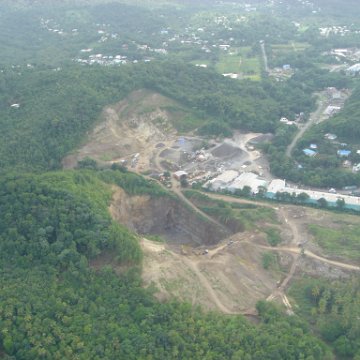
[
  {"x": 286, "y": 48},
  {"x": 344, "y": 241},
  {"x": 240, "y": 62}
]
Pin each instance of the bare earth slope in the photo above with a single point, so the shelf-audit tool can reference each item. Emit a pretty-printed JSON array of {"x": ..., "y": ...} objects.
[
  {"x": 229, "y": 276},
  {"x": 133, "y": 126}
]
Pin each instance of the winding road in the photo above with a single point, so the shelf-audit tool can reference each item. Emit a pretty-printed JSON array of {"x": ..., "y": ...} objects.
[
  {"x": 293, "y": 249},
  {"x": 296, "y": 238}
]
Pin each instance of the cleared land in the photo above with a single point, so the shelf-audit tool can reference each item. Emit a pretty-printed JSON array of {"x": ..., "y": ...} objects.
[
  {"x": 282, "y": 50},
  {"x": 240, "y": 62},
  {"x": 216, "y": 250},
  {"x": 231, "y": 275},
  {"x": 134, "y": 126},
  {"x": 340, "y": 240}
]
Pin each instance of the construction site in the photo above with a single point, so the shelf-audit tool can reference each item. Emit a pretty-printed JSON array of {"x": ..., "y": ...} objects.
[{"x": 192, "y": 252}]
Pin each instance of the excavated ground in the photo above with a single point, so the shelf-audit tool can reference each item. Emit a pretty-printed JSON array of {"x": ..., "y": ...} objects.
[
  {"x": 133, "y": 126},
  {"x": 166, "y": 217},
  {"x": 228, "y": 276},
  {"x": 198, "y": 262}
]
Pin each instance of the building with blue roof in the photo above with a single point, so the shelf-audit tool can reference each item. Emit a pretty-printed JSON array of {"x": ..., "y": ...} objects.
[
  {"x": 309, "y": 152},
  {"x": 344, "y": 153}
]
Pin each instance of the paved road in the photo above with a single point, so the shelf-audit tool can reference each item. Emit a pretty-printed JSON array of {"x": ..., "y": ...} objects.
[
  {"x": 314, "y": 118},
  {"x": 265, "y": 59}
]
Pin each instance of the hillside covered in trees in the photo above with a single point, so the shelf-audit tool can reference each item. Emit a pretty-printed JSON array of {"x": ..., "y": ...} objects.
[
  {"x": 53, "y": 305},
  {"x": 334, "y": 311}
]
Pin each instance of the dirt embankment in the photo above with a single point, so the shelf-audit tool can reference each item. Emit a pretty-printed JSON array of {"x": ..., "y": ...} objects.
[
  {"x": 164, "y": 216},
  {"x": 134, "y": 126},
  {"x": 228, "y": 277}
]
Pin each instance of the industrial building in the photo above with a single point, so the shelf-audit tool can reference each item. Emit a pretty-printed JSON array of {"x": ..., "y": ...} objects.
[
  {"x": 222, "y": 181},
  {"x": 231, "y": 180},
  {"x": 279, "y": 186},
  {"x": 247, "y": 179}
]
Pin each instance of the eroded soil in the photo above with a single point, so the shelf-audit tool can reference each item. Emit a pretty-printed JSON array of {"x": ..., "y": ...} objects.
[{"x": 134, "y": 126}]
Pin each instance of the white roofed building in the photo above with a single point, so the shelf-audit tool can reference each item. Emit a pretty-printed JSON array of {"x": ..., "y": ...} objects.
[
  {"x": 222, "y": 181},
  {"x": 247, "y": 179}
]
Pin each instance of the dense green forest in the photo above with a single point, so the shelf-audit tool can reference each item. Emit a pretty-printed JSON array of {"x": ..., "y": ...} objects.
[
  {"x": 334, "y": 310},
  {"x": 53, "y": 305}
]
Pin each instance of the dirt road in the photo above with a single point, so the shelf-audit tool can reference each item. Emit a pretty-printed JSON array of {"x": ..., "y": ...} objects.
[
  {"x": 205, "y": 283},
  {"x": 296, "y": 238},
  {"x": 291, "y": 248},
  {"x": 231, "y": 199},
  {"x": 195, "y": 263},
  {"x": 298, "y": 251},
  {"x": 176, "y": 188}
]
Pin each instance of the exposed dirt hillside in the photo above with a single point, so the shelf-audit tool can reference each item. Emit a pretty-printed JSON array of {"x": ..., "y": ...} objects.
[
  {"x": 201, "y": 260},
  {"x": 135, "y": 125},
  {"x": 198, "y": 262},
  {"x": 164, "y": 216},
  {"x": 229, "y": 278}
]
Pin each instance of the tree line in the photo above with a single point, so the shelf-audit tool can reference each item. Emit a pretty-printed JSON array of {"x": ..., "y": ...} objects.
[{"x": 56, "y": 304}]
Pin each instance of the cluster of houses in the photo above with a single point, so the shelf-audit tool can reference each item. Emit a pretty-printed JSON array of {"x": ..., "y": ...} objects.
[
  {"x": 51, "y": 26},
  {"x": 347, "y": 54},
  {"x": 343, "y": 153},
  {"x": 105, "y": 60},
  {"x": 337, "y": 30},
  {"x": 312, "y": 150}
]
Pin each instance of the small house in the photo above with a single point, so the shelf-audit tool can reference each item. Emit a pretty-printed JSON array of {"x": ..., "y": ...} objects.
[
  {"x": 180, "y": 175},
  {"x": 309, "y": 152},
  {"x": 343, "y": 153},
  {"x": 330, "y": 136}
]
